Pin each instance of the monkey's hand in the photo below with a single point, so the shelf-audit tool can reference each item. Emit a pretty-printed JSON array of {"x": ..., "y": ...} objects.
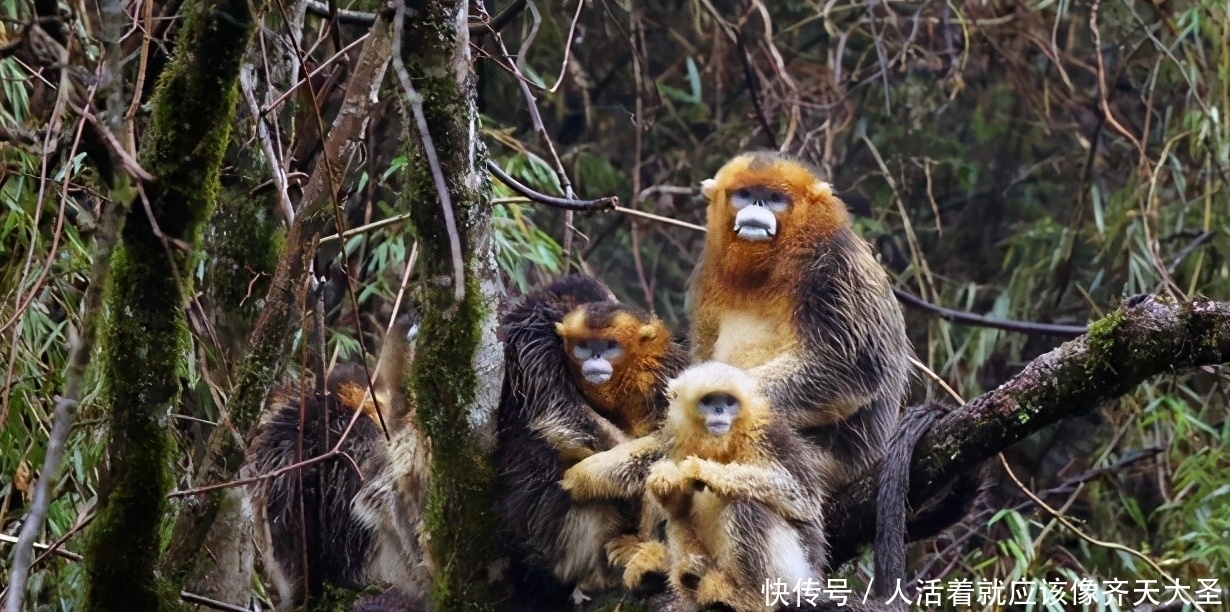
[
  {"x": 618, "y": 473},
  {"x": 667, "y": 485},
  {"x": 664, "y": 478},
  {"x": 772, "y": 485}
]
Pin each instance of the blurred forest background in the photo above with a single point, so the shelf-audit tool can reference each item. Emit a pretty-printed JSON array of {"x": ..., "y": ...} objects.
[{"x": 1032, "y": 160}]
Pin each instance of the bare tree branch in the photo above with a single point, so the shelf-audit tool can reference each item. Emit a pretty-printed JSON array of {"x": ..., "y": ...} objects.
[
  {"x": 960, "y": 316},
  {"x": 1146, "y": 337},
  {"x": 552, "y": 201},
  {"x": 82, "y": 346}
]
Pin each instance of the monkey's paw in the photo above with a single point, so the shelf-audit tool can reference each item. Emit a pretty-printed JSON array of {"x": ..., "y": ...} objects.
[
  {"x": 663, "y": 479},
  {"x": 645, "y": 572},
  {"x": 716, "y": 591},
  {"x": 574, "y": 481},
  {"x": 691, "y": 472},
  {"x": 690, "y": 570}
]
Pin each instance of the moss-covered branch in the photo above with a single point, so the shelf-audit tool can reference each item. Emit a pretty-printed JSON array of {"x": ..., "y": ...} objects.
[
  {"x": 457, "y": 370},
  {"x": 1127, "y": 347},
  {"x": 274, "y": 330},
  {"x": 145, "y": 334}
]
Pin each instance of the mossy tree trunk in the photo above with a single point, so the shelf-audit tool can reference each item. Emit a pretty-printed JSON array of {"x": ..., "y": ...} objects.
[
  {"x": 146, "y": 337},
  {"x": 458, "y": 366}
]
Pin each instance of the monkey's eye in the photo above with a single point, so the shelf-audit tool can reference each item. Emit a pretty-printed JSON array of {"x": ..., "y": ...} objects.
[
  {"x": 581, "y": 351},
  {"x": 776, "y": 201},
  {"x": 741, "y": 198},
  {"x": 612, "y": 350}
]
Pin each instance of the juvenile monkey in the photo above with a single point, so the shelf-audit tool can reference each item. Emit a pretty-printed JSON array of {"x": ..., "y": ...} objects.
[
  {"x": 788, "y": 291},
  {"x": 582, "y": 374},
  {"x": 341, "y": 547},
  {"x": 735, "y": 486}
]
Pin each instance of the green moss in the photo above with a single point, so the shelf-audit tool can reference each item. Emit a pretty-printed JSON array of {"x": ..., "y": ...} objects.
[
  {"x": 246, "y": 243},
  {"x": 459, "y": 518},
  {"x": 145, "y": 337},
  {"x": 1101, "y": 341}
]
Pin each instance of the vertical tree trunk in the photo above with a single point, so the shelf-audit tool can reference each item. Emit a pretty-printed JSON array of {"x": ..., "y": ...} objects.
[
  {"x": 145, "y": 334},
  {"x": 458, "y": 364}
]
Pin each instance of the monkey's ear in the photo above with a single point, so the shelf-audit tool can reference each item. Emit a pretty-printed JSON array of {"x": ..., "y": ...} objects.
[
  {"x": 707, "y": 188},
  {"x": 821, "y": 189},
  {"x": 647, "y": 332}
]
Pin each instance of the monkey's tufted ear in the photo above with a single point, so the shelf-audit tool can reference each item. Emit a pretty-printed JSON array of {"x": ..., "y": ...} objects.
[
  {"x": 559, "y": 329},
  {"x": 821, "y": 189},
  {"x": 647, "y": 332},
  {"x": 706, "y": 188}
]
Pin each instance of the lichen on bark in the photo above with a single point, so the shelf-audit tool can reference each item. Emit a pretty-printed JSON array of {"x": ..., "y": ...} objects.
[
  {"x": 145, "y": 334},
  {"x": 453, "y": 378}
]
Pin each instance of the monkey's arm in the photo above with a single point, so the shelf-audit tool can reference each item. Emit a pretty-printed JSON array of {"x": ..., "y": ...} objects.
[
  {"x": 618, "y": 473},
  {"x": 853, "y": 350},
  {"x": 837, "y": 392},
  {"x": 772, "y": 486},
  {"x": 576, "y": 433}
]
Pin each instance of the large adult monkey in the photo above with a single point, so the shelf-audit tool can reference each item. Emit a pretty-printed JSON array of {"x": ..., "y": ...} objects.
[
  {"x": 788, "y": 291},
  {"x": 583, "y": 373}
]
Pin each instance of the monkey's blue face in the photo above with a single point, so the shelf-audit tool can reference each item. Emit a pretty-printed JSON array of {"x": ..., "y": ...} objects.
[
  {"x": 597, "y": 359},
  {"x": 718, "y": 411},
  {"x": 756, "y": 209}
]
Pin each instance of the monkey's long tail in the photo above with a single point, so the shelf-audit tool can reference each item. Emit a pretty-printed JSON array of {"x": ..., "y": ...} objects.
[{"x": 892, "y": 488}]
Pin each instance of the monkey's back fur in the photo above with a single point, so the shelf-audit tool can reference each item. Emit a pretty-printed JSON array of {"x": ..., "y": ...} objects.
[{"x": 338, "y": 545}]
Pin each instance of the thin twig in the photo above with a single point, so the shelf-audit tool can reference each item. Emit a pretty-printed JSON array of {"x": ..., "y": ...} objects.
[
  {"x": 375, "y": 225},
  {"x": 959, "y": 316},
  {"x": 552, "y": 201},
  {"x": 286, "y": 94},
  {"x": 71, "y": 556},
  {"x": 321, "y": 9},
  {"x": 1189, "y": 249},
  {"x": 210, "y": 603},
  {"x": 429, "y": 149},
  {"x": 247, "y": 85},
  {"x": 531, "y": 104},
  {"x": 82, "y": 344},
  {"x": 1104, "y": 103},
  {"x": 477, "y": 28}
]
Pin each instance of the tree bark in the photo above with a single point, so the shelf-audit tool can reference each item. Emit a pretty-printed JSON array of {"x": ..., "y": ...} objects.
[
  {"x": 274, "y": 330},
  {"x": 1142, "y": 339},
  {"x": 458, "y": 364},
  {"x": 146, "y": 336}
]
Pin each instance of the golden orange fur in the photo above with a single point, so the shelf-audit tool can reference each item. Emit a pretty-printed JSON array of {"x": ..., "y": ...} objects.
[
  {"x": 627, "y": 398},
  {"x": 685, "y": 427},
  {"x": 748, "y": 312},
  {"x": 355, "y": 397}
]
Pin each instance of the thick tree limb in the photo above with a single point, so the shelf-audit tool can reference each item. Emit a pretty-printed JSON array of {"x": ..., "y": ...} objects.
[{"x": 1143, "y": 339}]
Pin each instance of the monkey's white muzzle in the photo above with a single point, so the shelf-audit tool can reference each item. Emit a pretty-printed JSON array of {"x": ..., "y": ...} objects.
[{"x": 755, "y": 223}]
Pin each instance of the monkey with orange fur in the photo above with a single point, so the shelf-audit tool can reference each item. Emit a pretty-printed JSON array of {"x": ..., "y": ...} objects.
[
  {"x": 583, "y": 373},
  {"x": 786, "y": 290}
]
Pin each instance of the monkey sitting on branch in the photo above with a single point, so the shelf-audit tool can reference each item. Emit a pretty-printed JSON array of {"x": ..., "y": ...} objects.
[
  {"x": 315, "y": 506},
  {"x": 734, "y": 485},
  {"x": 786, "y": 290},
  {"x": 583, "y": 373}
]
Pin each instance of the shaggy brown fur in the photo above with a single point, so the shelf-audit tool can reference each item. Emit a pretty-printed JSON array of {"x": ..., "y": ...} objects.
[{"x": 548, "y": 420}]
